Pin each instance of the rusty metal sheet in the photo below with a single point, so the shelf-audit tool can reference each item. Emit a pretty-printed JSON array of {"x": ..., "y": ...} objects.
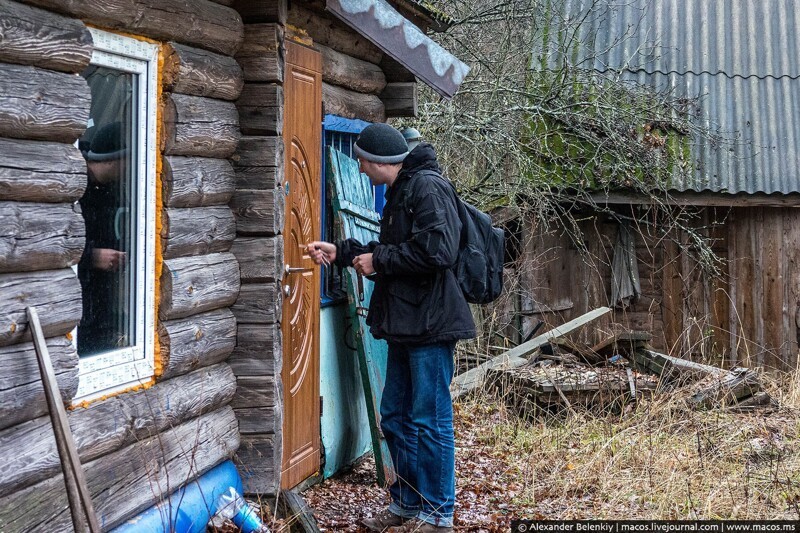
[{"x": 391, "y": 32}]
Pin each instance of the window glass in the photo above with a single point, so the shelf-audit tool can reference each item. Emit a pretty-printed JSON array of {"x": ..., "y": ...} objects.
[{"x": 107, "y": 269}]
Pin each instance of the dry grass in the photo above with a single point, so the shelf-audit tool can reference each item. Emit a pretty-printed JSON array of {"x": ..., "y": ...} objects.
[{"x": 659, "y": 460}]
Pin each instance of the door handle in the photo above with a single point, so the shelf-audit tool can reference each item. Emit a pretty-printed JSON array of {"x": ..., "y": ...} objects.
[{"x": 295, "y": 270}]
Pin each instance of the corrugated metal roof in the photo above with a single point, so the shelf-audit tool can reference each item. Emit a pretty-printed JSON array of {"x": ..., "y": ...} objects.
[{"x": 741, "y": 58}]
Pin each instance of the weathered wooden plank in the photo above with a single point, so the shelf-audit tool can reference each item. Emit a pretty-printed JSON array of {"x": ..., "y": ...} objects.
[
  {"x": 192, "y": 285},
  {"x": 42, "y": 104},
  {"x": 197, "y": 126},
  {"x": 198, "y": 72},
  {"x": 259, "y": 350},
  {"x": 261, "y": 10},
  {"x": 261, "y": 109},
  {"x": 514, "y": 357},
  {"x": 261, "y": 55},
  {"x": 400, "y": 99},
  {"x": 197, "y": 231},
  {"x": 350, "y": 72},
  {"x": 772, "y": 296},
  {"x": 259, "y": 177},
  {"x": 56, "y": 295},
  {"x": 260, "y": 259},
  {"x": 35, "y": 171},
  {"x": 333, "y": 33},
  {"x": 198, "y": 341},
  {"x": 197, "y": 181},
  {"x": 129, "y": 480},
  {"x": 33, "y": 36},
  {"x": 257, "y": 404},
  {"x": 21, "y": 393},
  {"x": 107, "y": 426},
  {"x": 258, "y": 303},
  {"x": 350, "y": 104},
  {"x": 258, "y": 152},
  {"x": 39, "y": 236},
  {"x": 258, "y": 212},
  {"x": 201, "y": 23},
  {"x": 258, "y": 460}
]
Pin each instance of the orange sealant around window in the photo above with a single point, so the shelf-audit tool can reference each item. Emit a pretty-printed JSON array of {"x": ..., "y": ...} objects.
[{"x": 158, "y": 362}]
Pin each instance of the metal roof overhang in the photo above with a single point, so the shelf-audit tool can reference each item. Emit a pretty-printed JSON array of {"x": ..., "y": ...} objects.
[{"x": 391, "y": 32}]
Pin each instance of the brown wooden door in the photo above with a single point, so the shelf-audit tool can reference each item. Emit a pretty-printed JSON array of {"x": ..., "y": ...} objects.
[{"x": 300, "y": 325}]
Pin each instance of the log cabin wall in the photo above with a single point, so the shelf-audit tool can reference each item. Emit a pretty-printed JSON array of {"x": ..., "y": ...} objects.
[
  {"x": 747, "y": 315},
  {"x": 142, "y": 445}
]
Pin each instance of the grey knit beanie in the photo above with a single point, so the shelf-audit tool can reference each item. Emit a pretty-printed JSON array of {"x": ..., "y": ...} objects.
[{"x": 381, "y": 143}]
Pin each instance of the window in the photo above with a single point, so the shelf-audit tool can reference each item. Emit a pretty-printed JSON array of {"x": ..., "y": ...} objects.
[
  {"x": 341, "y": 134},
  {"x": 115, "y": 336}
]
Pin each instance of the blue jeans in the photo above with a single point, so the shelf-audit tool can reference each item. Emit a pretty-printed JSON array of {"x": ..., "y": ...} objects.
[{"x": 417, "y": 421}]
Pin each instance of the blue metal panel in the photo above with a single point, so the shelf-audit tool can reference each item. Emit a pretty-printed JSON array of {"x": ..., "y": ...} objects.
[{"x": 352, "y": 203}]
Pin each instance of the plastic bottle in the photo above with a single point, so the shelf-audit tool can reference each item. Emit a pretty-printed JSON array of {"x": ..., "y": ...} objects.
[{"x": 232, "y": 506}]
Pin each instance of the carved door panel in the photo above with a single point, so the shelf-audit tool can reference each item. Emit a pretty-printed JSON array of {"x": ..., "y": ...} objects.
[{"x": 301, "y": 284}]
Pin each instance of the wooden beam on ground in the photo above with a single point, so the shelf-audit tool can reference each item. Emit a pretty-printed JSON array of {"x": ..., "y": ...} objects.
[
  {"x": 297, "y": 512},
  {"x": 472, "y": 379}
]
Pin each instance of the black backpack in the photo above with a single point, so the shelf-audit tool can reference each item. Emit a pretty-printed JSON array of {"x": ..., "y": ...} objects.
[{"x": 479, "y": 267}]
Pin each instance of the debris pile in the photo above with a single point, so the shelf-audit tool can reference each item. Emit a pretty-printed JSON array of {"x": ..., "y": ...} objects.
[{"x": 553, "y": 372}]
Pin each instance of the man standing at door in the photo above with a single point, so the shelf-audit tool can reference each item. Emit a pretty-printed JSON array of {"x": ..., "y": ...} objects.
[{"x": 418, "y": 308}]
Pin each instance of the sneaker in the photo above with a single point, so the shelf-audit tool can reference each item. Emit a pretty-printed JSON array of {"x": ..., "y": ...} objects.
[
  {"x": 418, "y": 526},
  {"x": 383, "y": 521}
]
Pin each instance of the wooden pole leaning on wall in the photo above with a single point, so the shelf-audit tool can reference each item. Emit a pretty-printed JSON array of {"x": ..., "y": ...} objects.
[{"x": 74, "y": 478}]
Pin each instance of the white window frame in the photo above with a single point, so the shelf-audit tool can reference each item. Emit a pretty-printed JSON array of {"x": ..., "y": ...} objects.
[{"x": 116, "y": 370}]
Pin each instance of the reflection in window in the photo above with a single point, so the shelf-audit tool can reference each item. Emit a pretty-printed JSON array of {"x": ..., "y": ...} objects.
[{"x": 107, "y": 269}]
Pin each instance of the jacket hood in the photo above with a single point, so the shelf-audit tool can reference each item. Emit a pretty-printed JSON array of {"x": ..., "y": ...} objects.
[{"x": 423, "y": 157}]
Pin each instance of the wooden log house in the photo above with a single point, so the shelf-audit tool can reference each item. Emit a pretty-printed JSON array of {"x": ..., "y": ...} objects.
[{"x": 208, "y": 346}]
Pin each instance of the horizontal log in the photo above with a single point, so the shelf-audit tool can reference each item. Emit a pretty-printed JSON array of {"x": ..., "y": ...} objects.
[
  {"x": 258, "y": 460},
  {"x": 261, "y": 10},
  {"x": 350, "y": 72},
  {"x": 192, "y": 285},
  {"x": 35, "y": 171},
  {"x": 199, "y": 72},
  {"x": 258, "y": 152},
  {"x": 259, "y": 350},
  {"x": 258, "y": 212},
  {"x": 42, "y": 104},
  {"x": 129, "y": 480},
  {"x": 197, "y": 231},
  {"x": 259, "y": 177},
  {"x": 258, "y": 303},
  {"x": 333, "y": 33},
  {"x": 199, "y": 126},
  {"x": 56, "y": 294},
  {"x": 400, "y": 99},
  {"x": 200, "y": 23},
  {"x": 33, "y": 36},
  {"x": 107, "y": 426},
  {"x": 261, "y": 55},
  {"x": 260, "y": 258},
  {"x": 257, "y": 404},
  {"x": 21, "y": 393},
  {"x": 261, "y": 109},
  {"x": 197, "y": 181},
  {"x": 350, "y": 104},
  {"x": 198, "y": 341},
  {"x": 39, "y": 236}
]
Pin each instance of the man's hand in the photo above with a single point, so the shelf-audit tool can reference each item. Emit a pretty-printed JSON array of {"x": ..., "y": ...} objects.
[
  {"x": 108, "y": 259},
  {"x": 321, "y": 252},
  {"x": 363, "y": 264}
]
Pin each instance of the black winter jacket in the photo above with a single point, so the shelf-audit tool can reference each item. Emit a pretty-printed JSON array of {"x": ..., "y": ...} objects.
[{"x": 416, "y": 299}]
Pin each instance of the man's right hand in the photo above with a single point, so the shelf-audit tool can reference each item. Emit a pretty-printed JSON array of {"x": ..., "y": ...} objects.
[
  {"x": 108, "y": 259},
  {"x": 321, "y": 252}
]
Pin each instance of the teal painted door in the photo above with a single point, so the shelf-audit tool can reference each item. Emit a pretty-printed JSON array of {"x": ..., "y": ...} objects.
[{"x": 353, "y": 208}]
